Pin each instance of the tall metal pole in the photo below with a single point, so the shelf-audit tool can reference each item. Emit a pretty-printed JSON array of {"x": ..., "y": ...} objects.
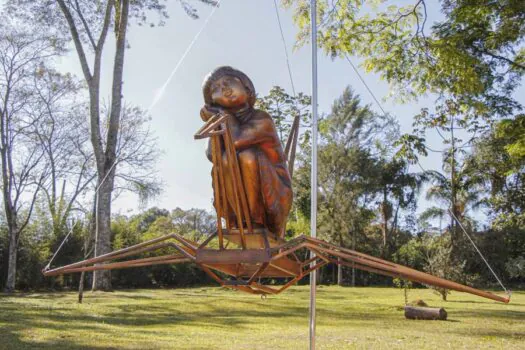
[{"x": 313, "y": 208}]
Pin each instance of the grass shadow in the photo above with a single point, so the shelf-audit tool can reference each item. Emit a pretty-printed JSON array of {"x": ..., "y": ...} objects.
[
  {"x": 146, "y": 315},
  {"x": 53, "y": 295}
]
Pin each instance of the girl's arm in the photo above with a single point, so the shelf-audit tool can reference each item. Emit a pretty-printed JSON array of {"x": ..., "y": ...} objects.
[{"x": 255, "y": 132}]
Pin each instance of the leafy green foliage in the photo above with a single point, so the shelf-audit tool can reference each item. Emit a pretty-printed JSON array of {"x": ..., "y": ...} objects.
[
  {"x": 194, "y": 224},
  {"x": 513, "y": 131},
  {"x": 516, "y": 267},
  {"x": 359, "y": 181},
  {"x": 473, "y": 53},
  {"x": 283, "y": 108}
]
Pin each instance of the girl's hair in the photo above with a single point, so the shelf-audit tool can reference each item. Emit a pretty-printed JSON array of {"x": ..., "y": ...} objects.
[{"x": 220, "y": 72}]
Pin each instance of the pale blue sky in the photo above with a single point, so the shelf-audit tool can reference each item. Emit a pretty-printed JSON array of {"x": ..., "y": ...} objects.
[{"x": 245, "y": 35}]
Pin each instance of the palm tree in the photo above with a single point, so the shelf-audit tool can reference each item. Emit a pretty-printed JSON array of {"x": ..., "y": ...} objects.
[
  {"x": 397, "y": 189},
  {"x": 457, "y": 199}
]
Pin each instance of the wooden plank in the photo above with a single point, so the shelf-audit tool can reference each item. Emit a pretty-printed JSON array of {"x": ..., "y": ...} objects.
[
  {"x": 192, "y": 246},
  {"x": 247, "y": 270},
  {"x": 118, "y": 254},
  {"x": 258, "y": 273},
  {"x": 218, "y": 206},
  {"x": 232, "y": 256},
  {"x": 315, "y": 267},
  {"x": 240, "y": 183},
  {"x": 290, "y": 283},
  {"x": 229, "y": 269},
  {"x": 212, "y": 274},
  {"x": 411, "y": 274},
  {"x": 253, "y": 241},
  {"x": 287, "y": 265},
  {"x": 207, "y": 129},
  {"x": 222, "y": 184},
  {"x": 289, "y": 251},
  {"x": 207, "y": 240},
  {"x": 160, "y": 260},
  {"x": 264, "y": 288},
  {"x": 232, "y": 161}
]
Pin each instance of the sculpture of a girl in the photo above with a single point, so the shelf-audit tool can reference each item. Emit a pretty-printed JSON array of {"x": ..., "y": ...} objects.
[{"x": 261, "y": 158}]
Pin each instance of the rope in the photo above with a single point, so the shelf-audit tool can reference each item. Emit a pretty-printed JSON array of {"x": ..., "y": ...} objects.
[
  {"x": 291, "y": 142},
  {"x": 366, "y": 86},
  {"x": 60, "y": 247},
  {"x": 473, "y": 244},
  {"x": 479, "y": 252},
  {"x": 284, "y": 46},
  {"x": 160, "y": 93},
  {"x": 450, "y": 211}
]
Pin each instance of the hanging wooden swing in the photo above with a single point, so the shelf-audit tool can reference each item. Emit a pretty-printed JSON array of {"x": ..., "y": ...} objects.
[{"x": 246, "y": 254}]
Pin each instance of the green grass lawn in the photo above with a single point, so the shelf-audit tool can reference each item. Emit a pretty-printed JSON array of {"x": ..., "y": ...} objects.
[{"x": 212, "y": 318}]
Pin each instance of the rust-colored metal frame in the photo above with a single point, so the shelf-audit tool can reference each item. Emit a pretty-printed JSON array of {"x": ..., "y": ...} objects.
[{"x": 245, "y": 267}]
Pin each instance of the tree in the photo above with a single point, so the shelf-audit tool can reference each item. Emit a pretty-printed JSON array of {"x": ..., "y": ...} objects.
[
  {"x": 88, "y": 23},
  {"x": 23, "y": 54},
  {"x": 456, "y": 190},
  {"x": 137, "y": 153},
  {"x": 355, "y": 127},
  {"x": 62, "y": 134},
  {"x": 514, "y": 131},
  {"x": 193, "y": 223},
  {"x": 351, "y": 142},
  {"x": 497, "y": 170},
  {"x": 397, "y": 190},
  {"x": 431, "y": 253},
  {"x": 283, "y": 108},
  {"x": 474, "y": 54}
]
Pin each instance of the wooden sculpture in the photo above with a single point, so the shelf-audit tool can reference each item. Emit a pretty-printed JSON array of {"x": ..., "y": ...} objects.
[
  {"x": 252, "y": 185},
  {"x": 252, "y": 197}
]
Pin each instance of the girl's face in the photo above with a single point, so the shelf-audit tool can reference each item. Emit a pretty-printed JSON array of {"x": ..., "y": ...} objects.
[{"x": 229, "y": 92}]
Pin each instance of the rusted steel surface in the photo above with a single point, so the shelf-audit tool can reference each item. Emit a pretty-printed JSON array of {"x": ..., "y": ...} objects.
[
  {"x": 127, "y": 264},
  {"x": 216, "y": 187},
  {"x": 232, "y": 256},
  {"x": 387, "y": 268},
  {"x": 246, "y": 266},
  {"x": 286, "y": 265},
  {"x": 258, "y": 273},
  {"x": 134, "y": 250}
]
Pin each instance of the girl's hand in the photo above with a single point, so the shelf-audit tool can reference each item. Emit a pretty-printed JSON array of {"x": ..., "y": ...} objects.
[{"x": 207, "y": 113}]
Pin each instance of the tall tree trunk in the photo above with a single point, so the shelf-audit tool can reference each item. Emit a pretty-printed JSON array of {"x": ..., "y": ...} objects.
[
  {"x": 453, "y": 193},
  {"x": 11, "y": 264},
  {"x": 106, "y": 163},
  {"x": 89, "y": 242},
  {"x": 10, "y": 212},
  {"x": 81, "y": 287},
  {"x": 102, "y": 279},
  {"x": 9, "y": 207},
  {"x": 339, "y": 273},
  {"x": 384, "y": 214},
  {"x": 353, "y": 264},
  {"x": 339, "y": 266}
]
